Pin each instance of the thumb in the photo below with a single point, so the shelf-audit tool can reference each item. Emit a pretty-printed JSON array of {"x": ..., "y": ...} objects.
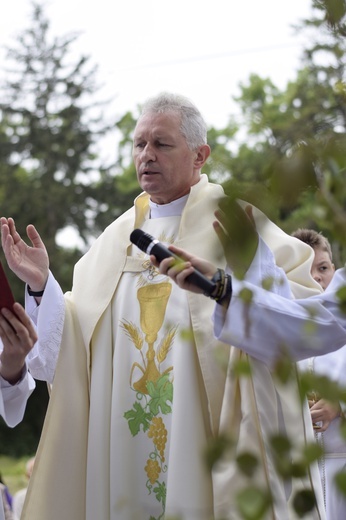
[{"x": 34, "y": 237}]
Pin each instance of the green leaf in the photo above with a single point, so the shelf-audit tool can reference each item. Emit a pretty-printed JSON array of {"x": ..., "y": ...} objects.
[
  {"x": 343, "y": 429},
  {"x": 284, "y": 369},
  {"x": 137, "y": 417},
  {"x": 304, "y": 501},
  {"x": 340, "y": 480},
  {"x": 312, "y": 452},
  {"x": 160, "y": 492},
  {"x": 246, "y": 295},
  {"x": 267, "y": 283},
  {"x": 247, "y": 463},
  {"x": 160, "y": 392},
  {"x": 241, "y": 367},
  {"x": 280, "y": 444},
  {"x": 253, "y": 503},
  {"x": 299, "y": 469},
  {"x": 216, "y": 449},
  {"x": 322, "y": 386},
  {"x": 341, "y": 295}
]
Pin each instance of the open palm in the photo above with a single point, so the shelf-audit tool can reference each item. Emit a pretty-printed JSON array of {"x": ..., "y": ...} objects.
[{"x": 29, "y": 263}]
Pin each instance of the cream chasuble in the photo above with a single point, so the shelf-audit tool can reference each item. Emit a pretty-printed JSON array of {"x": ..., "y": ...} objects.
[
  {"x": 151, "y": 417},
  {"x": 136, "y": 393}
]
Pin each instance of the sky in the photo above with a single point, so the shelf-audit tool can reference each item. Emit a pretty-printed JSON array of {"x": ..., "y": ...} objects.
[{"x": 201, "y": 49}]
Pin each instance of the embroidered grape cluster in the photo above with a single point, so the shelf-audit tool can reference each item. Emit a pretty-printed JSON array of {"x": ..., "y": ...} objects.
[
  {"x": 158, "y": 433},
  {"x": 153, "y": 470}
]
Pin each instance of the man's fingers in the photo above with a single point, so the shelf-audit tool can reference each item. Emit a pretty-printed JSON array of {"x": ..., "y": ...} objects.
[
  {"x": 34, "y": 237},
  {"x": 13, "y": 231},
  {"x": 18, "y": 323},
  {"x": 180, "y": 252},
  {"x": 172, "y": 266},
  {"x": 21, "y": 315},
  {"x": 5, "y": 233},
  {"x": 168, "y": 262}
]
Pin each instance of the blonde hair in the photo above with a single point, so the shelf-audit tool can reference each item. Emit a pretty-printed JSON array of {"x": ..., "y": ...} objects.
[{"x": 314, "y": 239}]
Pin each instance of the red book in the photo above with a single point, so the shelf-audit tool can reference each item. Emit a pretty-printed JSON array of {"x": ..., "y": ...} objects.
[{"x": 6, "y": 296}]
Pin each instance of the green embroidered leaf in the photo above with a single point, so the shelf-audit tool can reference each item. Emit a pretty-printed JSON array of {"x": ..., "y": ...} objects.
[
  {"x": 253, "y": 503},
  {"x": 137, "y": 417},
  {"x": 160, "y": 392},
  {"x": 160, "y": 492}
]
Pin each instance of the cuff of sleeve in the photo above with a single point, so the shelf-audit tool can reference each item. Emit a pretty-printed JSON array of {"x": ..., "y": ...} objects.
[{"x": 5, "y": 384}]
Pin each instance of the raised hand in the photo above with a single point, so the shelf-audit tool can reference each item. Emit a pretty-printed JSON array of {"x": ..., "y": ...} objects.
[
  {"x": 237, "y": 233},
  {"x": 29, "y": 263},
  {"x": 18, "y": 337}
]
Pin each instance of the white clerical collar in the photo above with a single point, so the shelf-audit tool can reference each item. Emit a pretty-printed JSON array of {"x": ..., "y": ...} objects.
[{"x": 172, "y": 209}]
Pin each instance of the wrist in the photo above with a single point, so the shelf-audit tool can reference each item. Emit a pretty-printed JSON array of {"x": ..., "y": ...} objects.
[
  {"x": 223, "y": 292},
  {"x": 11, "y": 377},
  {"x": 35, "y": 293}
]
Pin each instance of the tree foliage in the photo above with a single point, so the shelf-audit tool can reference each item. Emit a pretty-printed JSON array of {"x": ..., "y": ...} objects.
[
  {"x": 48, "y": 157},
  {"x": 48, "y": 162},
  {"x": 292, "y": 163}
]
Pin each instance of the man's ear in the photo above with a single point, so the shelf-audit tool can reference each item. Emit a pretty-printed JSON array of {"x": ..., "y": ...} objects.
[{"x": 202, "y": 154}]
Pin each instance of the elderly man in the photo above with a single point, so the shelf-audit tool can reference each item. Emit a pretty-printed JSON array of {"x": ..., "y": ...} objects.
[{"x": 139, "y": 393}]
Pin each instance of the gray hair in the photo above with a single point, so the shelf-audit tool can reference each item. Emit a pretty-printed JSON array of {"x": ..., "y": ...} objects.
[{"x": 193, "y": 127}]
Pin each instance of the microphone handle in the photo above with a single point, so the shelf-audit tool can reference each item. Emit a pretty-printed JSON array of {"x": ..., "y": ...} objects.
[{"x": 196, "y": 278}]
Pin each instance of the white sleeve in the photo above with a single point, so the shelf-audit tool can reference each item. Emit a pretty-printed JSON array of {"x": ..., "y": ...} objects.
[
  {"x": 48, "y": 317},
  {"x": 263, "y": 268},
  {"x": 272, "y": 320},
  {"x": 13, "y": 398}
]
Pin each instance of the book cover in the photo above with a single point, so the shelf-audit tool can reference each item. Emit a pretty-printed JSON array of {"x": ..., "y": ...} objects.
[{"x": 6, "y": 296}]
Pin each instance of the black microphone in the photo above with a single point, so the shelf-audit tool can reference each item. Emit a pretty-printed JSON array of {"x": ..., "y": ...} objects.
[{"x": 152, "y": 246}]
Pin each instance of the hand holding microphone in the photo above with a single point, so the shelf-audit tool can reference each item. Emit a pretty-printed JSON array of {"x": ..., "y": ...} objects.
[{"x": 152, "y": 246}]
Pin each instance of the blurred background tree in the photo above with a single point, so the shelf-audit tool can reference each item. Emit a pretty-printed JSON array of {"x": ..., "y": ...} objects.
[
  {"x": 50, "y": 172},
  {"x": 292, "y": 162}
]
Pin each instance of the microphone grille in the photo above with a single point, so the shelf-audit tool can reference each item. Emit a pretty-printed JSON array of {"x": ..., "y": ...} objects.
[{"x": 140, "y": 239}]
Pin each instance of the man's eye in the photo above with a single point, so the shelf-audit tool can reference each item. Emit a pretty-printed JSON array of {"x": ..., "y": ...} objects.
[{"x": 139, "y": 145}]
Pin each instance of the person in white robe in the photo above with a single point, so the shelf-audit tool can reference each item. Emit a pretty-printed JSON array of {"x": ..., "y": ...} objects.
[
  {"x": 274, "y": 320},
  {"x": 139, "y": 390},
  {"x": 326, "y": 416},
  {"x": 18, "y": 337}
]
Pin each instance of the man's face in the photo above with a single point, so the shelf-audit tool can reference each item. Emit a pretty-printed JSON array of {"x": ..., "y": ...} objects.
[
  {"x": 322, "y": 269},
  {"x": 166, "y": 167}
]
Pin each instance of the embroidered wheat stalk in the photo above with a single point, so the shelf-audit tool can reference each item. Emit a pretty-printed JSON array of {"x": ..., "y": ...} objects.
[
  {"x": 166, "y": 344},
  {"x": 133, "y": 332}
]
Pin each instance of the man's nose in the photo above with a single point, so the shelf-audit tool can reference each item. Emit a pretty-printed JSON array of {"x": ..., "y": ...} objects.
[{"x": 148, "y": 153}]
